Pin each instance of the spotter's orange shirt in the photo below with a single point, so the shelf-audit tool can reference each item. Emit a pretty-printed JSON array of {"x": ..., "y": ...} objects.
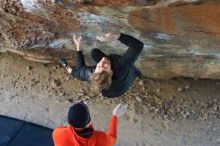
[{"x": 66, "y": 136}]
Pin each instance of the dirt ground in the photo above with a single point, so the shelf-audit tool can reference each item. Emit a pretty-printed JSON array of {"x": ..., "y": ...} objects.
[{"x": 175, "y": 112}]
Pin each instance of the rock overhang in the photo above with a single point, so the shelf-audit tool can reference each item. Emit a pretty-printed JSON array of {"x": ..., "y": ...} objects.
[{"x": 181, "y": 37}]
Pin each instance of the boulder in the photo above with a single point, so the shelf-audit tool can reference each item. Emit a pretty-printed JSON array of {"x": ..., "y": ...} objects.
[{"x": 181, "y": 37}]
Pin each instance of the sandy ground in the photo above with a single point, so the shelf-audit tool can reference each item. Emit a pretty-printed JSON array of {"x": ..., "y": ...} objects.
[{"x": 175, "y": 112}]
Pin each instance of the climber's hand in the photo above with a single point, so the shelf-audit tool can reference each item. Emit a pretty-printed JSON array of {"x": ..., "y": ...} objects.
[
  {"x": 108, "y": 37},
  {"x": 77, "y": 41}
]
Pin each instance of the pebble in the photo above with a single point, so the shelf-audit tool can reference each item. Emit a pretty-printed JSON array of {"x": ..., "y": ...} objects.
[
  {"x": 141, "y": 82},
  {"x": 102, "y": 97},
  {"x": 30, "y": 73},
  {"x": 55, "y": 83},
  {"x": 67, "y": 78},
  {"x": 209, "y": 97},
  {"x": 147, "y": 93},
  {"x": 152, "y": 108},
  {"x": 86, "y": 98},
  {"x": 184, "y": 116},
  {"x": 205, "y": 116},
  {"x": 156, "y": 98},
  {"x": 70, "y": 100},
  {"x": 36, "y": 82},
  {"x": 165, "y": 116},
  {"x": 81, "y": 94},
  {"x": 156, "y": 110},
  {"x": 54, "y": 68},
  {"x": 202, "y": 104},
  {"x": 135, "y": 120},
  {"x": 180, "y": 89},
  {"x": 62, "y": 94},
  {"x": 12, "y": 96},
  {"x": 197, "y": 102},
  {"x": 187, "y": 87},
  {"x": 215, "y": 108},
  {"x": 78, "y": 97},
  {"x": 138, "y": 99},
  {"x": 29, "y": 68}
]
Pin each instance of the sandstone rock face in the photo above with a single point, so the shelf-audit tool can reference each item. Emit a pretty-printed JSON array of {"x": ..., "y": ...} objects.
[{"x": 181, "y": 37}]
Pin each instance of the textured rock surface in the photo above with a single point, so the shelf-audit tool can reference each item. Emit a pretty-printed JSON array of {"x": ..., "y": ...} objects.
[{"x": 181, "y": 36}]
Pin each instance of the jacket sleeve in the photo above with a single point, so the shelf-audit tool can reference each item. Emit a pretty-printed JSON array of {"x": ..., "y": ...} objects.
[
  {"x": 58, "y": 138},
  {"x": 81, "y": 71},
  {"x": 134, "y": 50},
  {"x": 112, "y": 131},
  {"x": 80, "y": 61}
]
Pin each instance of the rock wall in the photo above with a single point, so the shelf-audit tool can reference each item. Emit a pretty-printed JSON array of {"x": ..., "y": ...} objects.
[{"x": 181, "y": 37}]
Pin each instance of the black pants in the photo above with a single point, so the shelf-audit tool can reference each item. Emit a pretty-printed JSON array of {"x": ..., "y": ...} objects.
[{"x": 97, "y": 55}]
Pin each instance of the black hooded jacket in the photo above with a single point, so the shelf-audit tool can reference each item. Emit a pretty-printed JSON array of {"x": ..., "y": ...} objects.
[{"x": 124, "y": 71}]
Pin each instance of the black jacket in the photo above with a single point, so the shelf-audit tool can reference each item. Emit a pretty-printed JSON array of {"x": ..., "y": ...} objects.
[{"x": 124, "y": 71}]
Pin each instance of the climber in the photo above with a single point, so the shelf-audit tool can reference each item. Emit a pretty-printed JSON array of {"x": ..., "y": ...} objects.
[
  {"x": 81, "y": 132},
  {"x": 113, "y": 74}
]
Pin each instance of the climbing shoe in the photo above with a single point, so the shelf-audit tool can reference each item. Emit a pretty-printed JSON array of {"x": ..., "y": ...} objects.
[{"x": 63, "y": 62}]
